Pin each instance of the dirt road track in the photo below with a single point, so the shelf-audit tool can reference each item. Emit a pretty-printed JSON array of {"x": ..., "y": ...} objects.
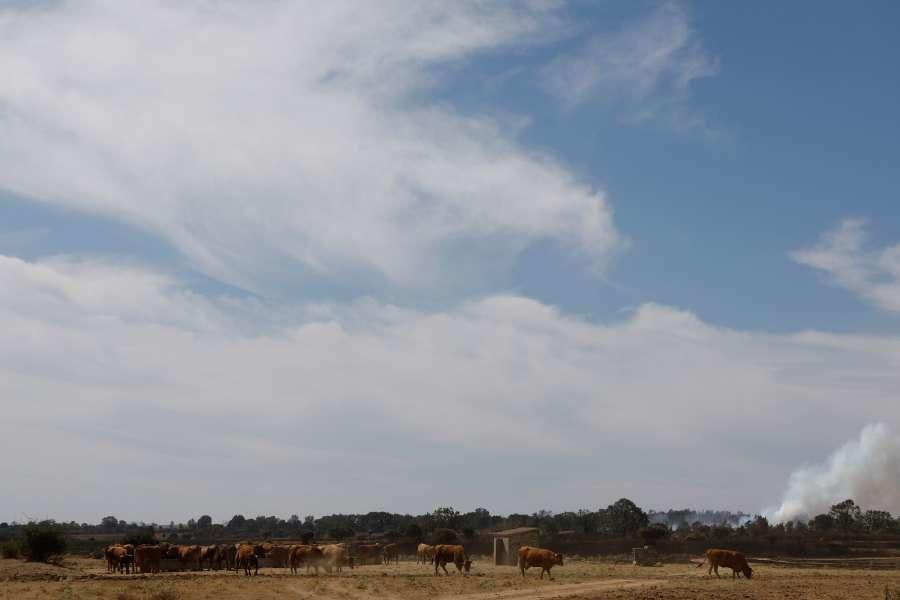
[{"x": 550, "y": 592}]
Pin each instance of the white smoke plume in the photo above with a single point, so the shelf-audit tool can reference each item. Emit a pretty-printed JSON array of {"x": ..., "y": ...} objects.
[{"x": 866, "y": 470}]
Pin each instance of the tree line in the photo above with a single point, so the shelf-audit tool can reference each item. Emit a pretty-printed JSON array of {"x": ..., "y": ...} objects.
[{"x": 622, "y": 518}]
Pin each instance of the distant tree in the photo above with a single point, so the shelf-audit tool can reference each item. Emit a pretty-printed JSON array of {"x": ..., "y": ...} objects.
[
  {"x": 192, "y": 524},
  {"x": 392, "y": 535},
  {"x": 480, "y": 518},
  {"x": 446, "y": 517},
  {"x": 204, "y": 522},
  {"x": 823, "y": 523},
  {"x": 722, "y": 531},
  {"x": 43, "y": 540},
  {"x": 414, "y": 531},
  {"x": 846, "y": 515},
  {"x": 237, "y": 522},
  {"x": 469, "y": 533},
  {"x": 294, "y": 522},
  {"x": 143, "y": 535},
  {"x": 587, "y": 521},
  {"x": 759, "y": 526},
  {"x": 878, "y": 521},
  {"x": 307, "y": 536},
  {"x": 624, "y": 517},
  {"x": 109, "y": 523},
  {"x": 653, "y": 533},
  {"x": 444, "y": 536}
]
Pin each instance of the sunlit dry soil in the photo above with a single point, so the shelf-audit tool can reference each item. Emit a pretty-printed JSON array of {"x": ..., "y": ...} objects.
[{"x": 84, "y": 578}]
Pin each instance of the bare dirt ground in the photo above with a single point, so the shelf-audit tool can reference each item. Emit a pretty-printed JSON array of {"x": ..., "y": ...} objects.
[{"x": 84, "y": 578}]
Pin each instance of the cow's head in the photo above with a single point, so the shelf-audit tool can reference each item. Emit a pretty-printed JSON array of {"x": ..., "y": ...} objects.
[
  {"x": 557, "y": 558},
  {"x": 467, "y": 565},
  {"x": 748, "y": 572}
]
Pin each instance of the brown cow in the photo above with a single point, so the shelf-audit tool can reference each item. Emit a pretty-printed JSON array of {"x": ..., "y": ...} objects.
[
  {"x": 114, "y": 555},
  {"x": 726, "y": 558},
  {"x": 538, "y": 557},
  {"x": 391, "y": 552},
  {"x": 423, "y": 552},
  {"x": 278, "y": 556},
  {"x": 245, "y": 558},
  {"x": 230, "y": 552},
  {"x": 365, "y": 552},
  {"x": 301, "y": 554},
  {"x": 444, "y": 553},
  {"x": 190, "y": 554},
  {"x": 334, "y": 556},
  {"x": 146, "y": 558},
  {"x": 209, "y": 555}
]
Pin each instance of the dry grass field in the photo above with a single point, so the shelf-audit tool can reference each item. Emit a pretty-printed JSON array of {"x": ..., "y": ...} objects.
[{"x": 84, "y": 578}]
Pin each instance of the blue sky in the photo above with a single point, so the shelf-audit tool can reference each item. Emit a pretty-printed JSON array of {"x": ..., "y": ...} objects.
[{"x": 574, "y": 204}]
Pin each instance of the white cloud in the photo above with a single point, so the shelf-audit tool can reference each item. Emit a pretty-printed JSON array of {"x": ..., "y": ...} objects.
[
  {"x": 273, "y": 141},
  {"x": 107, "y": 367},
  {"x": 644, "y": 68},
  {"x": 873, "y": 275}
]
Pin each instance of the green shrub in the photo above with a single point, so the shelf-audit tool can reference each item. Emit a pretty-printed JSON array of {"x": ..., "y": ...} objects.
[
  {"x": 42, "y": 540},
  {"x": 9, "y": 549}
]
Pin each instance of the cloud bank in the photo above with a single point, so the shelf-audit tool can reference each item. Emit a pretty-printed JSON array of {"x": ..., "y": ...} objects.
[
  {"x": 282, "y": 141},
  {"x": 149, "y": 400}
]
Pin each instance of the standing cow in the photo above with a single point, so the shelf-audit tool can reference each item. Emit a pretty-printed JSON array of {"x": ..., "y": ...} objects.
[
  {"x": 538, "y": 557},
  {"x": 424, "y": 552},
  {"x": 334, "y": 556},
  {"x": 391, "y": 552},
  {"x": 245, "y": 558},
  {"x": 146, "y": 558}
]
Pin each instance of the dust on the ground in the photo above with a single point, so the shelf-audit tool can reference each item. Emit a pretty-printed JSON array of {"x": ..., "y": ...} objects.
[{"x": 79, "y": 578}]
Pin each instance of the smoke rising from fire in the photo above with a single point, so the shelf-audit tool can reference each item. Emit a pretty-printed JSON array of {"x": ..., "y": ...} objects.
[{"x": 866, "y": 469}]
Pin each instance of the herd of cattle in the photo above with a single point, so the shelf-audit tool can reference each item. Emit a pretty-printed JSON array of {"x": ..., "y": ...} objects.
[
  {"x": 126, "y": 558},
  {"x": 333, "y": 557}
]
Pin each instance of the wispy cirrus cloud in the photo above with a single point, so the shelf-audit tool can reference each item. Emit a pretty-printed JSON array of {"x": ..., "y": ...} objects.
[
  {"x": 871, "y": 274},
  {"x": 643, "y": 70},
  {"x": 278, "y": 141}
]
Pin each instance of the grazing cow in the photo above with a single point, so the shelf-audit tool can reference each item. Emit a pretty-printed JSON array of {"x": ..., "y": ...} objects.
[
  {"x": 444, "y": 553},
  {"x": 278, "y": 556},
  {"x": 190, "y": 554},
  {"x": 146, "y": 558},
  {"x": 726, "y": 558},
  {"x": 424, "y": 552},
  {"x": 538, "y": 557},
  {"x": 301, "y": 554},
  {"x": 114, "y": 555},
  {"x": 334, "y": 556},
  {"x": 126, "y": 564},
  {"x": 391, "y": 552},
  {"x": 367, "y": 552},
  {"x": 245, "y": 558}
]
